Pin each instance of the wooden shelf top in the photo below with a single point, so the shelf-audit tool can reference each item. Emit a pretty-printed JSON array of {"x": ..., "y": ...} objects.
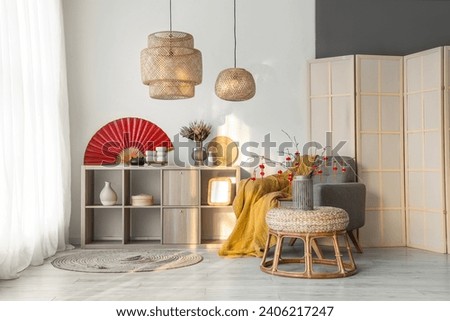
[
  {"x": 157, "y": 167},
  {"x": 118, "y": 206}
]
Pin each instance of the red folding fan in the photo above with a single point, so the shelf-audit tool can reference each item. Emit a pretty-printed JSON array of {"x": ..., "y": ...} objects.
[{"x": 122, "y": 139}]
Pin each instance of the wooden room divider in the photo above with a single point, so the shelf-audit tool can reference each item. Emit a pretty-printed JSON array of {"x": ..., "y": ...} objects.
[{"x": 396, "y": 116}]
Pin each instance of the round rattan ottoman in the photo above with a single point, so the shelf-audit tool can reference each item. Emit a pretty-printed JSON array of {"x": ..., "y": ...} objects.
[{"x": 309, "y": 226}]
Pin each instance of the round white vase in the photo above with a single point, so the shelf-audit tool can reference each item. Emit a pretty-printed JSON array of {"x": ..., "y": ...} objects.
[{"x": 107, "y": 196}]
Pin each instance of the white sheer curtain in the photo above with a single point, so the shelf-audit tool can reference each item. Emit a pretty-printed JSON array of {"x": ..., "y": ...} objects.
[{"x": 34, "y": 134}]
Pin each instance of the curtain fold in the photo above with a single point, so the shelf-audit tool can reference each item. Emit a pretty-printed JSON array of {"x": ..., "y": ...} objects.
[{"x": 34, "y": 135}]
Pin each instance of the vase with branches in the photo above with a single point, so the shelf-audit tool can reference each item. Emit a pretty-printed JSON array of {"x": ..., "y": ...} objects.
[{"x": 197, "y": 131}]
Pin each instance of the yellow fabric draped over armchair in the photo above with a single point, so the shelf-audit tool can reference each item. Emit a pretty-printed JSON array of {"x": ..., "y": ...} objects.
[{"x": 254, "y": 199}]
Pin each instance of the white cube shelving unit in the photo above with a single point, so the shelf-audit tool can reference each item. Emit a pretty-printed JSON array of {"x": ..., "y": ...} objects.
[{"x": 180, "y": 213}]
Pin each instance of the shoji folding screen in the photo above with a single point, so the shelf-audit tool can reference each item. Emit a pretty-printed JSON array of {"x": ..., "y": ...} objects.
[
  {"x": 402, "y": 134},
  {"x": 424, "y": 150},
  {"x": 370, "y": 119},
  {"x": 332, "y": 103},
  {"x": 447, "y": 134},
  {"x": 379, "y": 136}
]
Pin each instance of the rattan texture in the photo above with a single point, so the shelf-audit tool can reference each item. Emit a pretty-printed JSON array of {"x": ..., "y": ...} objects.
[
  {"x": 320, "y": 219},
  {"x": 171, "y": 66},
  {"x": 235, "y": 84},
  {"x": 171, "y": 90},
  {"x": 170, "y": 39},
  {"x": 126, "y": 261}
]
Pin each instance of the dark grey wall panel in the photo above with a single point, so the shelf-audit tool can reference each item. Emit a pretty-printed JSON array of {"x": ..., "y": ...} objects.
[{"x": 382, "y": 27}]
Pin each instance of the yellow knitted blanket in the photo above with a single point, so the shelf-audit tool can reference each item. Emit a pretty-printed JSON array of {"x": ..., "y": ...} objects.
[
  {"x": 251, "y": 204},
  {"x": 254, "y": 199}
]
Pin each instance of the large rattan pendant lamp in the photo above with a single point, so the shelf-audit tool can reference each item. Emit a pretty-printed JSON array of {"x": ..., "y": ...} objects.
[
  {"x": 171, "y": 66},
  {"x": 235, "y": 84}
]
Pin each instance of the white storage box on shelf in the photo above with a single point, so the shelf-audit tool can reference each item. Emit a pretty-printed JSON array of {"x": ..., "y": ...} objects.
[{"x": 142, "y": 200}]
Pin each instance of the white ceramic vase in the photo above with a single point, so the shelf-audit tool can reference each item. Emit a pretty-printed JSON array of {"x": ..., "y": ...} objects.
[{"x": 107, "y": 196}]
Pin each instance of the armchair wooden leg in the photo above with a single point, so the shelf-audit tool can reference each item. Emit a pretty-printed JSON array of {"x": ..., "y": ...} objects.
[
  {"x": 355, "y": 241},
  {"x": 317, "y": 249}
]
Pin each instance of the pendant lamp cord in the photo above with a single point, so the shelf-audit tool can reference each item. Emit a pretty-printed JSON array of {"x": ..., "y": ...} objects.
[
  {"x": 170, "y": 19},
  {"x": 235, "y": 42}
]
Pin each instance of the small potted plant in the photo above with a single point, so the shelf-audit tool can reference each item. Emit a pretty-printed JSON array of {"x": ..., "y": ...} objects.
[{"x": 197, "y": 131}]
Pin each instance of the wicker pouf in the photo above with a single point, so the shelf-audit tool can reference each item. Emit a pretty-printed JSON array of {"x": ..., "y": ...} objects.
[{"x": 321, "y": 222}]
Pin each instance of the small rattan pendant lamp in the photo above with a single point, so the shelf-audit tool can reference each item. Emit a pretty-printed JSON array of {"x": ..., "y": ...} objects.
[
  {"x": 235, "y": 84},
  {"x": 171, "y": 66}
]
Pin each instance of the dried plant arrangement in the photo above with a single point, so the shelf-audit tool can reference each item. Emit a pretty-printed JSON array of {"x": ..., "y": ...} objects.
[{"x": 197, "y": 131}]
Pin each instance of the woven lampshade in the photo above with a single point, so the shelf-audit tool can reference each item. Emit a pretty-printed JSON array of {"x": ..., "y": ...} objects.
[
  {"x": 170, "y": 39},
  {"x": 235, "y": 84},
  {"x": 170, "y": 66},
  {"x": 172, "y": 89}
]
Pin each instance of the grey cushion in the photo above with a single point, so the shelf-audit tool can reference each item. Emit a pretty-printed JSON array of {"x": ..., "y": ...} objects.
[
  {"x": 349, "y": 196},
  {"x": 340, "y": 189}
]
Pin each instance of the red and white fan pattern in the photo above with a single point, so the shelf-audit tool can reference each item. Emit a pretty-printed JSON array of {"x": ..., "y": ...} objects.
[{"x": 122, "y": 139}]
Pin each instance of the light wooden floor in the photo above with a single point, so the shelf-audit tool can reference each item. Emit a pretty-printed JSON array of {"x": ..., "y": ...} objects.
[{"x": 385, "y": 274}]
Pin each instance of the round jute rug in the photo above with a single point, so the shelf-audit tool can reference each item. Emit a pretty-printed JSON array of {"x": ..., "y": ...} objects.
[{"x": 126, "y": 261}]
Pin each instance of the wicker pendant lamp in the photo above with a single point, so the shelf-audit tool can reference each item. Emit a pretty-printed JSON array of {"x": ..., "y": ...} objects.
[
  {"x": 170, "y": 65},
  {"x": 235, "y": 84}
]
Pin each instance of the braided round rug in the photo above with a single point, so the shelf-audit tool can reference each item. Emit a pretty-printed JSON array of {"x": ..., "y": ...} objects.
[{"x": 125, "y": 261}]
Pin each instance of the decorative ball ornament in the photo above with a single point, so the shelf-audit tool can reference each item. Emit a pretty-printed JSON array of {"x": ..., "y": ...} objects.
[
  {"x": 290, "y": 177},
  {"x": 235, "y": 84}
]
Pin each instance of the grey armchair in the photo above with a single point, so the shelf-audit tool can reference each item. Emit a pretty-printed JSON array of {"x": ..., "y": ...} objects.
[{"x": 340, "y": 189}]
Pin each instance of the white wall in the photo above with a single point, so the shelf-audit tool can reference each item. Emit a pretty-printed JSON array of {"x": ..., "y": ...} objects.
[{"x": 104, "y": 39}]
